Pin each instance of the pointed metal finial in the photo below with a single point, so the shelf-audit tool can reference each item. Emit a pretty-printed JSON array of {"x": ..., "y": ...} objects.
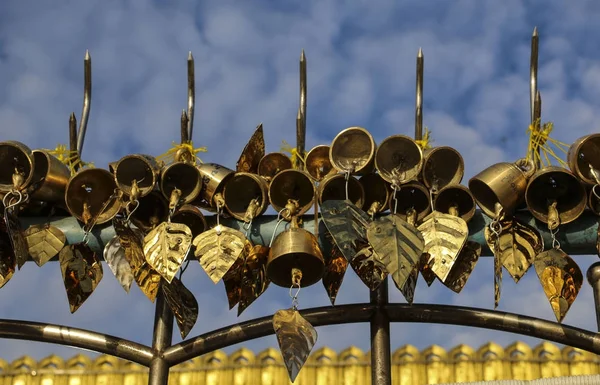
[
  {"x": 191, "y": 96},
  {"x": 537, "y": 120},
  {"x": 533, "y": 69},
  {"x": 184, "y": 127},
  {"x": 419, "y": 98},
  {"x": 87, "y": 100},
  {"x": 301, "y": 116}
]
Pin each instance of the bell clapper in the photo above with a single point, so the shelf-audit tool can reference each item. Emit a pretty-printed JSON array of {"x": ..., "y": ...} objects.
[
  {"x": 174, "y": 201},
  {"x": 453, "y": 210},
  {"x": 375, "y": 206},
  {"x": 249, "y": 215},
  {"x": 553, "y": 223},
  {"x": 411, "y": 216}
]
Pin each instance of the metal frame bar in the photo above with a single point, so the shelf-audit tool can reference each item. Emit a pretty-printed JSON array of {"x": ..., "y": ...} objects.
[{"x": 576, "y": 238}]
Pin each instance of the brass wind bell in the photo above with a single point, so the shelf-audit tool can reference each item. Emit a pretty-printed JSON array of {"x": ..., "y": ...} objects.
[{"x": 396, "y": 208}]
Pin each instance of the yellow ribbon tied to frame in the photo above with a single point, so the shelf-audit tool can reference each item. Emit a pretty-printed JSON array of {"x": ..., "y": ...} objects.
[
  {"x": 293, "y": 151},
  {"x": 69, "y": 158},
  {"x": 425, "y": 143},
  {"x": 539, "y": 148},
  {"x": 176, "y": 149}
]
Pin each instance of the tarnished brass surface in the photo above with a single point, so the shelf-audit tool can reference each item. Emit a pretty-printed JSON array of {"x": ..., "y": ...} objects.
[
  {"x": 555, "y": 184},
  {"x": 139, "y": 167},
  {"x": 213, "y": 177},
  {"x": 333, "y": 187},
  {"x": 296, "y": 338},
  {"x": 458, "y": 196},
  {"x": 503, "y": 183},
  {"x": 81, "y": 272},
  {"x": 583, "y": 153},
  {"x": 273, "y": 163},
  {"x": 50, "y": 177},
  {"x": 166, "y": 247},
  {"x": 186, "y": 177},
  {"x": 292, "y": 184},
  {"x": 351, "y": 366},
  {"x": 412, "y": 195},
  {"x": 44, "y": 242},
  {"x": 183, "y": 304},
  {"x": 243, "y": 190},
  {"x": 442, "y": 166},
  {"x": 399, "y": 159},
  {"x": 353, "y": 150},
  {"x": 318, "y": 164},
  {"x": 252, "y": 153},
  {"x": 217, "y": 250},
  {"x": 95, "y": 188},
  {"x": 15, "y": 157}
]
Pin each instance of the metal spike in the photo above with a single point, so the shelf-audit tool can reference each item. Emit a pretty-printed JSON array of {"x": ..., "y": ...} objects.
[
  {"x": 87, "y": 100},
  {"x": 184, "y": 127},
  {"x": 191, "y": 96},
  {"x": 301, "y": 117},
  {"x": 72, "y": 133},
  {"x": 419, "y": 97},
  {"x": 533, "y": 69}
]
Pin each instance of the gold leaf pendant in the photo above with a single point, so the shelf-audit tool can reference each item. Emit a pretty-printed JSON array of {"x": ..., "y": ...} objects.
[
  {"x": 44, "y": 242},
  {"x": 335, "y": 269},
  {"x": 463, "y": 267},
  {"x": 497, "y": 281},
  {"x": 166, "y": 247},
  {"x": 252, "y": 153},
  {"x": 296, "y": 338},
  {"x": 445, "y": 236},
  {"x": 183, "y": 304},
  {"x": 254, "y": 276},
  {"x": 8, "y": 263},
  {"x": 81, "y": 271},
  {"x": 233, "y": 283},
  {"x": 425, "y": 269},
  {"x": 517, "y": 246},
  {"x": 561, "y": 280},
  {"x": 368, "y": 266},
  {"x": 347, "y": 225},
  {"x": 218, "y": 249},
  {"x": 399, "y": 246},
  {"x": 17, "y": 241}
]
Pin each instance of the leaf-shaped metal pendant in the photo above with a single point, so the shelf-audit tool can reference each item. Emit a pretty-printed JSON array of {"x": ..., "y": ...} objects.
[
  {"x": 463, "y": 267},
  {"x": 114, "y": 255},
  {"x": 8, "y": 263},
  {"x": 445, "y": 235},
  {"x": 81, "y": 271},
  {"x": 218, "y": 249},
  {"x": 335, "y": 269},
  {"x": 425, "y": 269},
  {"x": 368, "y": 266},
  {"x": 183, "y": 304},
  {"x": 347, "y": 224},
  {"x": 398, "y": 245},
  {"x": 233, "y": 282},
  {"x": 252, "y": 153},
  {"x": 166, "y": 247},
  {"x": 410, "y": 284},
  {"x": 130, "y": 242},
  {"x": 561, "y": 280},
  {"x": 296, "y": 338},
  {"x": 44, "y": 242},
  {"x": 17, "y": 241},
  {"x": 517, "y": 247},
  {"x": 254, "y": 276},
  {"x": 497, "y": 281}
]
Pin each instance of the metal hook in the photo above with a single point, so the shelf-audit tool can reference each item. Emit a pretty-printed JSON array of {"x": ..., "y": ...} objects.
[
  {"x": 191, "y": 96},
  {"x": 87, "y": 100},
  {"x": 347, "y": 177},
  {"x": 395, "y": 189},
  {"x": 8, "y": 202},
  {"x": 280, "y": 219},
  {"x": 555, "y": 242},
  {"x": 129, "y": 210}
]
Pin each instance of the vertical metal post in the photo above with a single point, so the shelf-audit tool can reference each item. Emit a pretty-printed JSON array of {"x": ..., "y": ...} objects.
[
  {"x": 593, "y": 276},
  {"x": 381, "y": 363},
  {"x": 162, "y": 339}
]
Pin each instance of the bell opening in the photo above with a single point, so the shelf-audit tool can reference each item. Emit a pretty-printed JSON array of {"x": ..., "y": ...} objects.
[
  {"x": 13, "y": 159},
  {"x": 376, "y": 190},
  {"x": 292, "y": 184},
  {"x": 411, "y": 197},
  {"x": 40, "y": 168},
  {"x": 279, "y": 269},
  {"x": 589, "y": 154},
  {"x": 273, "y": 163},
  {"x": 183, "y": 176},
  {"x": 562, "y": 187},
  {"x": 134, "y": 168},
  {"x": 318, "y": 164},
  {"x": 398, "y": 158},
  {"x": 94, "y": 187},
  {"x": 442, "y": 167},
  {"x": 455, "y": 196},
  {"x": 239, "y": 191},
  {"x": 352, "y": 150},
  {"x": 152, "y": 210},
  {"x": 484, "y": 195},
  {"x": 195, "y": 221},
  {"x": 335, "y": 189}
]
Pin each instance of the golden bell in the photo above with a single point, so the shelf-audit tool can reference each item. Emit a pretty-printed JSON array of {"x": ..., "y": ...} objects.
[
  {"x": 583, "y": 153},
  {"x": 352, "y": 150},
  {"x": 273, "y": 163},
  {"x": 192, "y": 217},
  {"x": 15, "y": 157},
  {"x": 455, "y": 197},
  {"x": 399, "y": 159},
  {"x": 153, "y": 209},
  {"x": 50, "y": 177},
  {"x": 94, "y": 187},
  {"x": 295, "y": 248},
  {"x": 412, "y": 195},
  {"x": 503, "y": 183},
  {"x": 242, "y": 190},
  {"x": 555, "y": 184},
  {"x": 377, "y": 193},
  {"x": 334, "y": 188},
  {"x": 292, "y": 184},
  {"x": 442, "y": 166},
  {"x": 213, "y": 177},
  {"x": 182, "y": 176},
  {"x": 143, "y": 169},
  {"x": 318, "y": 164}
]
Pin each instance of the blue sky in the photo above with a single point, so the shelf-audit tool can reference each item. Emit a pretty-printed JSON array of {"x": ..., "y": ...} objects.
[{"x": 361, "y": 71}]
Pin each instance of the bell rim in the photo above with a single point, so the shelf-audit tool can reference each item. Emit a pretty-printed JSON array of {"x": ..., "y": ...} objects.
[
  {"x": 188, "y": 198},
  {"x": 458, "y": 174},
  {"x": 302, "y": 209},
  {"x": 326, "y": 181},
  {"x": 413, "y": 173},
  {"x": 264, "y": 193},
  {"x": 110, "y": 212},
  {"x": 420, "y": 214},
  {"x": 367, "y": 166},
  {"x": 152, "y": 164},
  {"x": 28, "y": 153}
]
